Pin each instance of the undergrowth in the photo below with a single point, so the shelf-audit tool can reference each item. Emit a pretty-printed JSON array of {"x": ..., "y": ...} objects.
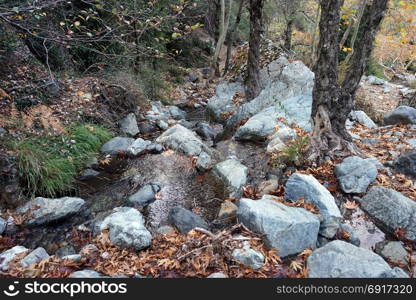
[
  {"x": 48, "y": 166},
  {"x": 293, "y": 155}
]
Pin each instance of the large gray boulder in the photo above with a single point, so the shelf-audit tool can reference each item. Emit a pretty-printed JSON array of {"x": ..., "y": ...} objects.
[
  {"x": 34, "y": 257},
  {"x": 233, "y": 174},
  {"x": 406, "y": 163},
  {"x": 44, "y": 210},
  {"x": 128, "y": 125},
  {"x": 117, "y": 144},
  {"x": 185, "y": 220},
  {"x": 339, "y": 259},
  {"x": 356, "y": 174},
  {"x": 307, "y": 187},
  {"x": 183, "y": 139},
  {"x": 288, "y": 229},
  {"x": 402, "y": 114},
  {"x": 391, "y": 210},
  {"x": 127, "y": 229},
  {"x": 7, "y": 256}
]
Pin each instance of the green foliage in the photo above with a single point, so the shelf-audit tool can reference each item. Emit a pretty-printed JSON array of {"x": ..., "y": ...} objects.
[
  {"x": 293, "y": 154},
  {"x": 375, "y": 69},
  {"x": 48, "y": 166}
]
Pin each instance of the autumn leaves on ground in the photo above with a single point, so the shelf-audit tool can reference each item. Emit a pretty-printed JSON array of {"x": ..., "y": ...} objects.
[{"x": 164, "y": 141}]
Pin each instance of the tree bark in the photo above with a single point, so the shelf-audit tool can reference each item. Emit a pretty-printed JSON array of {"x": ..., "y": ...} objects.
[
  {"x": 332, "y": 102},
  {"x": 356, "y": 29},
  {"x": 253, "y": 84},
  {"x": 232, "y": 37},
  {"x": 288, "y": 34}
]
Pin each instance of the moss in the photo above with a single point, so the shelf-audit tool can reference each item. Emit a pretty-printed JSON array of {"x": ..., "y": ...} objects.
[{"x": 48, "y": 166}]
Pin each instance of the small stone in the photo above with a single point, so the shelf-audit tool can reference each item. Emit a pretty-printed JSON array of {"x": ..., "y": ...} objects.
[
  {"x": 228, "y": 210},
  {"x": 204, "y": 162},
  {"x": 233, "y": 174},
  {"x": 88, "y": 174},
  {"x": 146, "y": 195},
  {"x": 116, "y": 145},
  {"x": 392, "y": 251},
  {"x": 138, "y": 147},
  {"x": 34, "y": 257},
  {"x": 128, "y": 125},
  {"x": 85, "y": 274},
  {"x": 249, "y": 257},
  {"x": 165, "y": 230},
  {"x": 217, "y": 275},
  {"x": 3, "y": 224},
  {"x": 185, "y": 220}
]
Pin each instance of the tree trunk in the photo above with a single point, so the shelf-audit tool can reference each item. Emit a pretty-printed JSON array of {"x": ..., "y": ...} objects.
[
  {"x": 332, "y": 103},
  {"x": 253, "y": 85},
  {"x": 288, "y": 34},
  {"x": 232, "y": 37},
  {"x": 356, "y": 29}
]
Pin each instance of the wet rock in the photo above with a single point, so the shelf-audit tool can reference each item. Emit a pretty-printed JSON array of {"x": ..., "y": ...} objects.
[
  {"x": 204, "y": 162},
  {"x": 177, "y": 113},
  {"x": 145, "y": 195},
  {"x": 392, "y": 251},
  {"x": 339, "y": 259},
  {"x": 205, "y": 131},
  {"x": 127, "y": 228},
  {"x": 45, "y": 210},
  {"x": 3, "y": 224},
  {"x": 307, "y": 187},
  {"x": 288, "y": 229},
  {"x": 117, "y": 144},
  {"x": 248, "y": 257},
  {"x": 34, "y": 257},
  {"x": 88, "y": 174},
  {"x": 128, "y": 125},
  {"x": 233, "y": 174},
  {"x": 138, "y": 147},
  {"x": 391, "y": 210},
  {"x": 185, "y": 220},
  {"x": 180, "y": 138},
  {"x": 355, "y": 174},
  {"x": 86, "y": 274},
  {"x": 402, "y": 114},
  {"x": 406, "y": 163},
  {"x": 165, "y": 230},
  {"x": 7, "y": 256},
  {"x": 217, "y": 275}
]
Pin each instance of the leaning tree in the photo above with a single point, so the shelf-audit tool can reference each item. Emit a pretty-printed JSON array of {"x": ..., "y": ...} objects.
[{"x": 333, "y": 99}]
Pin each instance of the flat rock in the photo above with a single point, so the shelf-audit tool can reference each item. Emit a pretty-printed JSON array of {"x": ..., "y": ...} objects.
[
  {"x": 7, "y": 256},
  {"x": 117, "y": 144},
  {"x": 185, "y": 220},
  {"x": 45, "y": 210},
  {"x": 288, "y": 229},
  {"x": 339, "y": 259},
  {"x": 127, "y": 228},
  {"x": 391, "y": 210},
  {"x": 307, "y": 187},
  {"x": 233, "y": 174},
  {"x": 355, "y": 174}
]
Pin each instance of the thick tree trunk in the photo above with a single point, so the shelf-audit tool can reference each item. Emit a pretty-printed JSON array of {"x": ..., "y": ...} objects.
[
  {"x": 253, "y": 84},
  {"x": 288, "y": 34},
  {"x": 332, "y": 103},
  {"x": 232, "y": 37}
]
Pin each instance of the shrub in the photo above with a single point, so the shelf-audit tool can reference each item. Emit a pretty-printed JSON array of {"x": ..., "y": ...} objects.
[
  {"x": 293, "y": 154},
  {"x": 48, "y": 166}
]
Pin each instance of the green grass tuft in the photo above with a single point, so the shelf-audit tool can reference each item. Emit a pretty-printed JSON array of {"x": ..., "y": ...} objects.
[{"x": 49, "y": 166}]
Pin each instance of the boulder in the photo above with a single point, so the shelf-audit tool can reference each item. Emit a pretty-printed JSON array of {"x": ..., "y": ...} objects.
[
  {"x": 127, "y": 229},
  {"x": 128, "y": 125},
  {"x": 392, "y": 251},
  {"x": 117, "y": 144},
  {"x": 233, "y": 174},
  {"x": 355, "y": 174},
  {"x": 391, "y": 210},
  {"x": 44, "y": 210},
  {"x": 406, "y": 163},
  {"x": 138, "y": 147},
  {"x": 307, "y": 187},
  {"x": 402, "y": 114},
  {"x": 7, "y": 256},
  {"x": 339, "y": 259},
  {"x": 183, "y": 139},
  {"x": 288, "y": 229},
  {"x": 205, "y": 131},
  {"x": 34, "y": 257},
  {"x": 177, "y": 113},
  {"x": 362, "y": 118},
  {"x": 185, "y": 220},
  {"x": 146, "y": 195},
  {"x": 204, "y": 162}
]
